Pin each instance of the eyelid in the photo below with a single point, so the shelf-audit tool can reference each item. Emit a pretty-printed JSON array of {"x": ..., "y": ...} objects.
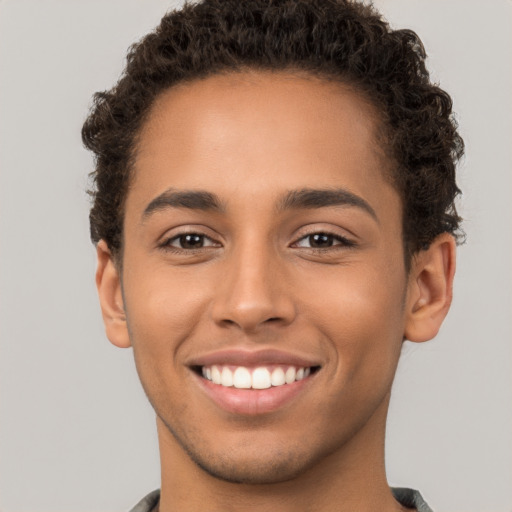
[
  {"x": 173, "y": 234},
  {"x": 342, "y": 243},
  {"x": 346, "y": 241},
  {"x": 213, "y": 243}
]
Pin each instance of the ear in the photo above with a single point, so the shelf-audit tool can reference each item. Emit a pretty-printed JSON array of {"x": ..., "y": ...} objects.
[
  {"x": 108, "y": 283},
  {"x": 429, "y": 292}
]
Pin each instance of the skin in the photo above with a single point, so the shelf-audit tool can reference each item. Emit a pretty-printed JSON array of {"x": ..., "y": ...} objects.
[{"x": 260, "y": 282}]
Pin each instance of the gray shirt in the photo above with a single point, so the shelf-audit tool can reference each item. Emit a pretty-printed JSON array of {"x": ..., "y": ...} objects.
[{"x": 407, "y": 497}]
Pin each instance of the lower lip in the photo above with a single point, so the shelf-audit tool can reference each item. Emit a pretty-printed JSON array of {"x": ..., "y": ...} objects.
[{"x": 252, "y": 401}]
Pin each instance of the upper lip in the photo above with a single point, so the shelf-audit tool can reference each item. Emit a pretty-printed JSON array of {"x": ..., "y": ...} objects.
[{"x": 250, "y": 358}]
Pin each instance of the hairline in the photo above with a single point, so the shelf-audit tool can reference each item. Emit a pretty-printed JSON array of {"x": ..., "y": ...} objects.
[{"x": 376, "y": 112}]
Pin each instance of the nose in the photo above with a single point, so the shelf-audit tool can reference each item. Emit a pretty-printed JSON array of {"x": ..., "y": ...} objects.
[{"x": 253, "y": 292}]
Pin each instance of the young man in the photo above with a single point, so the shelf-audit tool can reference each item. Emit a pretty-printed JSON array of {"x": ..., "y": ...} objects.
[{"x": 274, "y": 214}]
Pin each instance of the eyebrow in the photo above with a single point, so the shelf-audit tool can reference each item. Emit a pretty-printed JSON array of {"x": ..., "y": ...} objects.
[
  {"x": 191, "y": 199},
  {"x": 320, "y": 198},
  {"x": 306, "y": 198}
]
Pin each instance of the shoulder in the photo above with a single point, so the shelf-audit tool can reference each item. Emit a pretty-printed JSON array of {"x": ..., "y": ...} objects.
[
  {"x": 148, "y": 503},
  {"x": 410, "y": 498}
]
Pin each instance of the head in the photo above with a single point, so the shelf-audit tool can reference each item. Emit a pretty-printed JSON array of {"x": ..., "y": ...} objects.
[
  {"x": 274, "y": 187},
  {"x": 340, "y": 41}
]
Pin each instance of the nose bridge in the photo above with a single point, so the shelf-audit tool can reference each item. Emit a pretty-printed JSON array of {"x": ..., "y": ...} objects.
[{"x": 253, "y": 289}]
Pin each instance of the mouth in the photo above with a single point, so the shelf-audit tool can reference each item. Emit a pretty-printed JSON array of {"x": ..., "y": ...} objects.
[
  {"x": 242, "y": 382},
  {"x": 259, "y": 377}
]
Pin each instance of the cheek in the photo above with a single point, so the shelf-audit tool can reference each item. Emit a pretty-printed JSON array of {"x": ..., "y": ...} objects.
[
  {"x": 362, "y": 326},
  {"x": 162, "y": 308},
  {"x": 359, "y": 311},
  {"x": 162, "y": 312}
]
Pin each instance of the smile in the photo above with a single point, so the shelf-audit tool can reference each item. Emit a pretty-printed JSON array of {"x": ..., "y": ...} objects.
[
  {"x": 261, "y": 377},
  {"x": 244, "y": 382}
]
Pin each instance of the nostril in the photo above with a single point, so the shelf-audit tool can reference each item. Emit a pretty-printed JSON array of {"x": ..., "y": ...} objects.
[
  {"x": 249, "y": 312},
  {"x": 228, "y": 321}
]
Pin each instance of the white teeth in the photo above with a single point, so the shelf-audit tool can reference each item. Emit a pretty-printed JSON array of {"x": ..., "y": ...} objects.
[
  {"x": 290, "y": 375},
  {"x": 261, "y": 378},
  {"x": 277, "y": 377},
  {"x": 216, "y": 378},
  {"x": 242, "y": 378},
  {"x": 226, "y": 377}
]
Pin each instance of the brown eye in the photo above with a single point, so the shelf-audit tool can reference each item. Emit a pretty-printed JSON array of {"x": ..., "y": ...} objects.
[
  {"x": 323, "y": 240},
  {"x": 320, "y": 240},
  {"x": 190, "y": 241}
]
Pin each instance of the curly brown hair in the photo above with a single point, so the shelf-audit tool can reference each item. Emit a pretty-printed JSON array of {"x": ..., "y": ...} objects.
[{"x": 342, "y": 40}]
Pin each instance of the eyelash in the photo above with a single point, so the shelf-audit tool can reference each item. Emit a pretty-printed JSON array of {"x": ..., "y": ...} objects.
[
  {"x": 166, "y": 244},
  {"x": 344, "y": 243}
]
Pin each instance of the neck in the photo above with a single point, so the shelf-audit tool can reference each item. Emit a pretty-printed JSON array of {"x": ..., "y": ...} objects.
[{"x": 351, "y": 478}]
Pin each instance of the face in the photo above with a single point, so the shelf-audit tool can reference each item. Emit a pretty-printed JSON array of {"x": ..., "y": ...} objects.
[{"x": 263, "y": 275}]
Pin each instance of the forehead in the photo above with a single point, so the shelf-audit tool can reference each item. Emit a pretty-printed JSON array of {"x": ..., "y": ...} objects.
[{"x": 287, "y": 129}]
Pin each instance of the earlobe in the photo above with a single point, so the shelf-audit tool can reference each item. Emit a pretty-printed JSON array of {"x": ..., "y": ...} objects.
[
  {"x": 108, "y": 284},
  {"x": 430, "y": 286}
]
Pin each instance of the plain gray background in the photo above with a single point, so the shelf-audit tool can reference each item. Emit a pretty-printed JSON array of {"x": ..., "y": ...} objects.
[{"x": 76, "y": 433}]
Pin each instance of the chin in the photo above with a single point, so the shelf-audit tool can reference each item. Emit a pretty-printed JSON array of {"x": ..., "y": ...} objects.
[
  {"x": 246, "y": 462},
  {"x": 251, "y": 472}
]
